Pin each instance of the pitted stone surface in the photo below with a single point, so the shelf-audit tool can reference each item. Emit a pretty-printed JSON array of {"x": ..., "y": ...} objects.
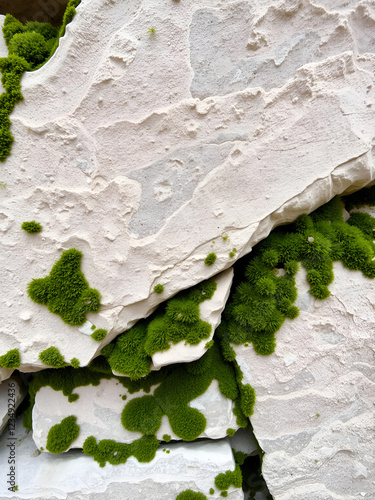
[
  {"x": 314, "y": 414},
  {"x": 143, "y": 149}
]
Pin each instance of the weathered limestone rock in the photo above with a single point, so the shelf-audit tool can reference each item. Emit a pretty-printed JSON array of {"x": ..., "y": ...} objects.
[
  {"x": 75, "y": 476},
  {"x": 314, "y": 415},
  {"x": 243, "y": 441},
  {"x": 5, "y": 373},
  {"x": 209, "y": 311},
  {"x": 98, "y": 411},
  {"x": 12, "y": 393},
  {"x": 148, "y": 151}
]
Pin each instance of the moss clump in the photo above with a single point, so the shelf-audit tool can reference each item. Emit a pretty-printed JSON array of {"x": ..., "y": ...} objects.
[
  {"x": 52, "y": 357},
  {"x": 261, "y": 303},
  {"x": 12, "y": 359},
  {"x": 212, "y": 491},
  {"x": 99, "y": 334},
  {"x": 224, "y": 494},
  {"x": 31, "y": 227},
  {"x": 174, "y": 321},
  {"x": 65, "y": 291},
  {"x": 75, "y": 363},
  {"x": 231, "y": 432},
  {"x": 158, "y": 288},
  {"x": 229, "y": 478},
  {"x": 62, "y": 435},
  {"x": 166, "y": 438},
  {"x": 29, "y": 47},
  {"x": 210, "y": 259},
  {"x": 191, "y": 495},
  {"x": 182, "y": 384},
  {"x": 107, "y": 450}
]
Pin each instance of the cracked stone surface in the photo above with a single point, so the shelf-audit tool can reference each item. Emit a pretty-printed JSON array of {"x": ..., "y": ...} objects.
[
  {"x": 314, "y": 415},
  {"x": 142, "y": 150},
  {"x": 75, "y": 476}
]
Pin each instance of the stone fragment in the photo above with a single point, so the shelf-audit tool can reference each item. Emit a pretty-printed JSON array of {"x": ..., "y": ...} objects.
[
  {"x": 143, "y": 156},
  {"x": 314, "y": 413},
  {"x": 209, "y": 311},
  {"x": 74, "y": 475}
]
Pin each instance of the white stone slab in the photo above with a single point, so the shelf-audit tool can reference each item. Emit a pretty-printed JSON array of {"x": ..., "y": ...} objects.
[
  {"x": 98, "y": 410},
  {"x": 142, "y": 150},
  {"x": 314, "y": 414},
  {"x": 75, "y": 476},
  {"x": 209, "y": 311}
]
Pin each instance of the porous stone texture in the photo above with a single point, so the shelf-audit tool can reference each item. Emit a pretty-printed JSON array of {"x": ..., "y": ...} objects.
[
  {"x": 12, "y": 393},
  {"x": 209, "y": 311},
  {"x": 314, "y": 414},
  {"x": 98, "y": 410},
  {"x": 75, "y": 476},
  {"x": 148, "y": 151}
]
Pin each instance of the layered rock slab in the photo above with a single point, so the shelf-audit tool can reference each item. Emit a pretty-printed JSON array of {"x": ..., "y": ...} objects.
[
  {"x": 73, "y": 475},
  {"x": 320, "y": 384},
  {"x": 98, "y": 411},
  {"x": 145, "y": 170}
]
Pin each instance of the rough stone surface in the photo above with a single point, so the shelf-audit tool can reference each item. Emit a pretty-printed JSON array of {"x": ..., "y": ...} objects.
[
  {"x": 12, "y": 393},
  {"x": 314, "y": 415},
  {"x": 75, "y": 476},
  {"x": 143, "y": 150},
  {"x": 209, "y": 311},
  {"x": 98, "y": 411},
  {"x": 5, "y": 374}
]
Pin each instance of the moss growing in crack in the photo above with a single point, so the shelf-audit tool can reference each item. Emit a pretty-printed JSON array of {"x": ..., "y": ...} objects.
[
  {"x": 229, "y": 478},
  {"x": 99, "y": 334},
  {"x": 176, "y": 320},
  {"x": 65, "y": 291},
  {"x": 231, "y": 432},
  {"x": 75, "y": 363},
  {"x": 210, "y": 259},
  {"x": 12, "y": 359},
  {"x": 31, "y": 227},
  {"x": 62, "y": 435},
  {"x": 166, "y": 438},
  {"x": 182, "y": 384},
  {"x": 191, "y": 495},
  {"x": 262, "y": 302},
  {"x": 52, "y": 357},
  {"x": 158, "y": 289},
  {"x": 107, "y": 450}
]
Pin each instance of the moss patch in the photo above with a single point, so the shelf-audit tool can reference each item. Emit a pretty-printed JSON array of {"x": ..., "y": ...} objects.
[
  {"x": 62, "y": 435},
  {"x": 107, "y": 450},
  {"x": 229, "y": 478},
  {"x": 158, "y": 289},
  {"x": 65, "y": 291},
  {"x": 52, "y": 357},
  {"x": 191, "y": 495},
  {"x": 176, "y": 320},
  {"x": 12, "y": 359},
  {"x": 210, "y": 259},
  {"x": 261, "y": 303},
  {"x": 31, "y": 227},
  {"x": 99, "y": 334}
]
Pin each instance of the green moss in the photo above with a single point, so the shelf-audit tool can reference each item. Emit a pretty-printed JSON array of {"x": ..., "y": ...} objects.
[
  {"x": 12, "y": 359},
  {"x": 239, "y": 457},
  {"x": 107, "y": 450},
  {"x": 176, "y": 320},
  {"x": 261, "y": 303},
  {"x": 224, "y": 494},
  {"x": 75, "y": 363},
  {"x": 93, "y": 327},
  {"x": 229, "y": 478},
  {"x": 191, "y": 495},
  {"x": 182, "y": 384},
  {"x": 209, "y": 344},
  {"x": 99, "y": 334},
  {"x": 62, "y": 435},
  {"x": 158, "y": 288},
  {"x": 31, "y": 227},
  {"x": 212, "y": 491},
  {"x": 166, "y": 438},
  {"x": 52, "y": 357},
  {"x": 65, "y": 291},
  {"x": 210, "y": 259},
  {"x": 231, "y": 432},
  {"x": 29, "y": 47}
]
